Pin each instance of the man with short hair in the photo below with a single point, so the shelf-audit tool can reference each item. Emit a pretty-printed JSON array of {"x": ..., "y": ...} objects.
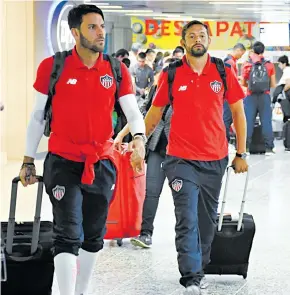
[
  {"x": 258, "y": 98},
  {"x": 143, "y": 76},
  {"x": 197, "y": 151},
  {"x": 79, "y": 171},
  {"x": 231, "y": 59},
  {"x": 238, "y": 51},
  {"x": 121, "y": 54},
  {"x": 177, "y": 53},
  {"x": 135, "y": 50},
  {"x": 150, "y": 57}
]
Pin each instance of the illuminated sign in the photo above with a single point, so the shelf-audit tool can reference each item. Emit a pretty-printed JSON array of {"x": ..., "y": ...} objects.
[{"x": 59, "y": 35}]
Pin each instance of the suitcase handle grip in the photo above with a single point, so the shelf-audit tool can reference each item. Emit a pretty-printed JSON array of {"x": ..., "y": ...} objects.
[
  {"x": 11, "y": 221},
  {"x": 35, "y": 255},
  {"x": 241, "y": 213},
  {"x": 17, "y": 179}
]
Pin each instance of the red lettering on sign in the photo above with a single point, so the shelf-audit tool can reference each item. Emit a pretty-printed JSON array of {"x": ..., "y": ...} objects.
[
  {"x": 250, "y": 27},
  {"x": 164, "y": 27},
  {"x": 236, "y": 29},
  {"x": 149, "y": 31},
  {"x": 221, "y": 28},
  {"x": 178, "y": 25}
]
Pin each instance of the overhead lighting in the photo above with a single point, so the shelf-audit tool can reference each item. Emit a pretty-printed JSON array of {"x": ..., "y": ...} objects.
[
  {"x": 97, "y": 4},
  {"x": 104, "y": 5},
  {"x": 127, "y": 11},
  {"x": 273, "y": 12},
  {"x": 246, "y": 3},
  {"x": 173, "y": 18},
  {"x": 110, "y": 7},
  {"x": 150, "y": 14},
  {"x": 237, "y": 0},
  {"x": 259, "y": 8}
]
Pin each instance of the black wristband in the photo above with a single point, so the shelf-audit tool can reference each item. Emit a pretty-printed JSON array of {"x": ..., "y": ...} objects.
[
  {"x": 27, "y": 165},
  {"x": 141, "y": 134}
]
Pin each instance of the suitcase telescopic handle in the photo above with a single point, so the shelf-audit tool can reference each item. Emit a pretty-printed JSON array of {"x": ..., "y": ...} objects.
[
  {"x": 36, "y": 224},
  {"x": 241, "y": 213}
]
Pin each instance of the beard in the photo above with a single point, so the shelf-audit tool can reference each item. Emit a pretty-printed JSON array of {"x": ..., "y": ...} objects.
[
  {"x": 197, "y": 52},
  {"x": 85, "y": 43}
]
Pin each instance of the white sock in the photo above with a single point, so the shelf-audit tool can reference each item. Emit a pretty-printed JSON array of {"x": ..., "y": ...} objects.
[
  {"x": 86, "y": 264},
  {"x": 66, "y": 270}
]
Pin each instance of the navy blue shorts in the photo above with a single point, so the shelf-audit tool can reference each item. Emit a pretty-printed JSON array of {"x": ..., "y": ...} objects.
[{"x": 79, "y": 211}]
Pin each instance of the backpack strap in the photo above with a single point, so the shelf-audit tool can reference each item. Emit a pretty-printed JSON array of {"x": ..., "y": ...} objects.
[
  {"x": 117, "y": 73},
  {"x": 165, "y": 112},
  {"x": 221, "y": 69},
  {"x": 171, "y": 69},
  {"x": 227, "y": 58},
  {"x": 58, "y": 64}
]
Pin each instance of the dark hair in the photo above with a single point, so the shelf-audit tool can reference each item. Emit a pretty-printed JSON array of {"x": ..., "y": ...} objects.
[
  {"x": 258, "y": 47},
  {"x": 127, "y": 62},
  {"x": 190, "y": 24},
  {"x": 180, "y": 48},
  {"x": 142, "y": 55},
  {"x": 75, "y": 15},
  {"x": 149, "y": 50},
  {"x": 177, "y": 50},
  {"x": 170, "y": 60},
  {"x": 284, "y": 60},
  {"x": 122, "y": 52},
  {"x": 240, "y": 46}
]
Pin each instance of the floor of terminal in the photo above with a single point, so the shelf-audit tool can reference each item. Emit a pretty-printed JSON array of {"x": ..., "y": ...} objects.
[{"x": 131, "y": 271}]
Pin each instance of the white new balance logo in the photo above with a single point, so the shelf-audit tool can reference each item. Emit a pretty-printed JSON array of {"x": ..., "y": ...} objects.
[
  {"x": 72, "y": 81},
  {"x": 182, "y": 88}
]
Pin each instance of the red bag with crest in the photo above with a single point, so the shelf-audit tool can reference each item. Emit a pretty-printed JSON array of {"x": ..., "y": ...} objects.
[{"x": 125, "y": 212}]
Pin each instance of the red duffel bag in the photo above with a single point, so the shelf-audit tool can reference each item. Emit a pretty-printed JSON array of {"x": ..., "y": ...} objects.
[{"x": 125, "y": 212}]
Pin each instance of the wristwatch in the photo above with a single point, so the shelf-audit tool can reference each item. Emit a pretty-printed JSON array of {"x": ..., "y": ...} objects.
[
  {"x": 140, "y": 135},
  {"x": 242, "y": 155}
]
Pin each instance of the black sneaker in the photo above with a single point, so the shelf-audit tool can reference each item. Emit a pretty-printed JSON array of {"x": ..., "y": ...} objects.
[{"x": 143, "y": 241}]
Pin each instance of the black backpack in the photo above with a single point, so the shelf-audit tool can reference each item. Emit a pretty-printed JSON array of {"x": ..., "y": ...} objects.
[
  {"x": 172, "y": 69},
  {"x": 58, "y": 64},
  {"x": 259, "y": 80}
]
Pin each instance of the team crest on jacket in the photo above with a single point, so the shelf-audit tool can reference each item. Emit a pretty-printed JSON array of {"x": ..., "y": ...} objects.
[
  {"x": 177, "y": 185},
  {"x": 58, "y": 192},
  {"x": 216, "y": 86},
  {"x": 106, "y": 81}
]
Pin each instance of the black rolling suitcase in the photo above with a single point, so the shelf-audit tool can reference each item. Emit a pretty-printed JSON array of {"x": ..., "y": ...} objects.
[
  {"x": 257, "y": 145},
  {"x": 233, "y": 240},
  {"x": 27, "y": 250}
]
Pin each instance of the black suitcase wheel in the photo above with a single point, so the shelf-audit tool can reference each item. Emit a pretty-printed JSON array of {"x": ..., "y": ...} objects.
[
  {"x": 245, "y": 275},
  {"x": 119, "y": 242}
]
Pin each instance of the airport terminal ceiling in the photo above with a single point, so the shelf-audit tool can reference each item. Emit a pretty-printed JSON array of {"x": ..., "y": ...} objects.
[{"x": 265, "y": 10}]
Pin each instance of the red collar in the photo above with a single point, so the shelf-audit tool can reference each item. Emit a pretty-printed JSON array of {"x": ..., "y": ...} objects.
[
  {"x": 205, "y": 69},
  {"x": 79, "y": 64}
]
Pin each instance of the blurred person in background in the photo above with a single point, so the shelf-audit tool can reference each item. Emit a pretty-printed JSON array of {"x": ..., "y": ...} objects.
[
  {"x": 121, "y": 54},
  {"x": 178, "y": 53},
  {"x": 232, "y": 59},
  {"x": 150, "y": 57},
  {"x": 143, "y": 76}
]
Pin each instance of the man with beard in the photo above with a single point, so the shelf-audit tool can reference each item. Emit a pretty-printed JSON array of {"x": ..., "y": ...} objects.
[
  {"x": 79, "y": 171},
  {"x": 197, "y": 151}
]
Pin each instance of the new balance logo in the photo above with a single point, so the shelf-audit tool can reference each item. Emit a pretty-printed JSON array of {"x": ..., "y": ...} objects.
[
  {"x": 182, "y": 88},
  {"x": 72, "y": 81}
]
